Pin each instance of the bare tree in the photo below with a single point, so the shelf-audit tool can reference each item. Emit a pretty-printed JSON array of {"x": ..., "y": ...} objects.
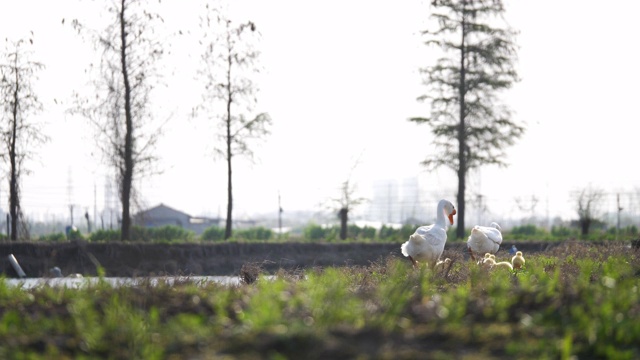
[
  {"x": 230, "y": 62},
  {"x": 588, "y": 202},
  {"x": 347, "y": 202},
  {"x": 18, "y": 101},
  {"x": 121, "y": 110},
  {"x": 528, "y": 206}
]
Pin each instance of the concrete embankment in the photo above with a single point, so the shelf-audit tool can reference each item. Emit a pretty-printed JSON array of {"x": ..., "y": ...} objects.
[{"x": 145, "y": 259}]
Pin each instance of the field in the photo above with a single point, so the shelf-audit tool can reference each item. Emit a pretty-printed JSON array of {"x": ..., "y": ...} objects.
[{"x": 573, "y": 301}]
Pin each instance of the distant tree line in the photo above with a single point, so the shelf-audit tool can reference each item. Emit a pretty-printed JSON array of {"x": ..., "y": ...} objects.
[{"x": 317, "y": 233}]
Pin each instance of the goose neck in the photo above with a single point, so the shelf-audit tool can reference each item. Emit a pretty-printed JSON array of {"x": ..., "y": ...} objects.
[{"x": 440, "y": 218}]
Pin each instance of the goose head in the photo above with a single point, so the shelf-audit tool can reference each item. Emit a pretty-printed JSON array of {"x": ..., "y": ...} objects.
[{"x": 448, "y": 209}]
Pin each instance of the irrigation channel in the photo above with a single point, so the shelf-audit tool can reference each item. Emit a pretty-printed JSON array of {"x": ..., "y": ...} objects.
[{"x": 78, "y": 283}]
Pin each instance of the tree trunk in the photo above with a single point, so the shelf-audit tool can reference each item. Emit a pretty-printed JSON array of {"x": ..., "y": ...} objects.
[
  {"x": 343, "y": 214},
  {"x": 585, "y": 224},
  {"x": 462, "y": 159},
  {"x": 127, "y": 173},
  {"x": 14, "y": 202},
  {"x": 228, "y": 227}
]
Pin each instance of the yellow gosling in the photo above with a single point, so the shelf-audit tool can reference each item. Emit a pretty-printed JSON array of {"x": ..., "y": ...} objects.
[
  {"x": 443, "y": 264},
  {"x": 518, "y": 260},
  {"x": 486, "y": 256},
  {"x": 488, "y": 263},
  {"x": 503, "y": 265}
]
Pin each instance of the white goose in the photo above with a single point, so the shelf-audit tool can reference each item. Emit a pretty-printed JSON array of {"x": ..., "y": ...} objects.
[
  {"x": 427, "y": 243},
  {"x": 484, "y": 239}
]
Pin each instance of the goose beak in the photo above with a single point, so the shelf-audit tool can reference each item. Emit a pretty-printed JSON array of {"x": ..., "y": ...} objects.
[{"x": 451, "y": 216}]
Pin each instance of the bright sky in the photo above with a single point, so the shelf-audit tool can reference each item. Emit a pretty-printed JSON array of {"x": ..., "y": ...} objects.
[{"x": 340, "y": 80}]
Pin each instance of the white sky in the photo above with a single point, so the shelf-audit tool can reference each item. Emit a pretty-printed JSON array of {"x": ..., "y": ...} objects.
[{"x": 340, "y": 80}]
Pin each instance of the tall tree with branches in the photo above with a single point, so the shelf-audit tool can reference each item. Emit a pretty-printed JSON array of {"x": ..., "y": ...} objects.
[
  {"x": 588, "y": 203},
  {"x": 121, "y": 112},
  {"x": 470, "y": 125},
  {"x": 18, "y": 102},
  {"x": 230, "y": 64},
  {"x": 347, "y": 201}
]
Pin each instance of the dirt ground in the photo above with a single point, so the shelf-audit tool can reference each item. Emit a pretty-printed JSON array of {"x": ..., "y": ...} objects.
[{"x": 142, "y": 259}]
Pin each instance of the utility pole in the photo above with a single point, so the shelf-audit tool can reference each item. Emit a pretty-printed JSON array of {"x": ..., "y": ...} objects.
[
  {"x": 619, "y": 211},
  {"x": 480, "y": 208},
  {"x": 279, "y": 216},
  {"x": 70, "y": 195},
  {"x": 95, "y": 205},
  {"x": 547, "y": 209},
  {"x": 86, "y": 216},
  {"x": 389, "y": 203}
]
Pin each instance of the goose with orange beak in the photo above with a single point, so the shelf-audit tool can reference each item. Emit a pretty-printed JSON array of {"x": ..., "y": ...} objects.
[{"x": 427, "y": 243}]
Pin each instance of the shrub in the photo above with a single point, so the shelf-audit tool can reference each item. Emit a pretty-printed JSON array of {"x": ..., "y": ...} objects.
[
  {"x": 255, "y": 233},
  {"x": 314, "y": 232},
  {"x": 213, "y": 233},
  {"x": 356, "y": 232},
  {"x": 139, "y": 233},
  {"x": 75, "y": 234},
  {"x": 105, "y": 235},
  {"x": 170, "y": 233},
  {"x": 167, "y": 233},
  {"x": 631, "y": 230},
  {"x": 388, "y": 233},
  {"x": 527, "y": 232},
  {"x": 55, "y": 237},
  {"x": 563, "y": 231}
]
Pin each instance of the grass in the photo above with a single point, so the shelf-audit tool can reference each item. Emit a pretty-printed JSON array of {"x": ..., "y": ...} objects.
[{"x": 575, "y": 301}]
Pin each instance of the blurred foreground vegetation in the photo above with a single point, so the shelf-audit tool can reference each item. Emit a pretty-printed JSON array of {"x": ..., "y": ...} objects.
[{"x": 576, "y": 300}]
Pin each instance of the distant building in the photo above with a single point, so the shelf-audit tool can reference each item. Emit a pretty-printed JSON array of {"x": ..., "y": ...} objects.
[{"x": 163, "y": 215}]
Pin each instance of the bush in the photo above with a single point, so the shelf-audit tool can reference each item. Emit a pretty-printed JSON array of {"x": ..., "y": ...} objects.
[
  {"x": 55, "y": 237},
  {"x": 256, "y": 233},
  {"x": 213, "y": 233},
  {"x": 105, "y": 235},
  {"x": 563, "y": 231},
  {"x": 631, "y": 230},
  {"x": 388, "y": 233},
  {"x": 527, "y": 232},
  {"x": 170, "y": 233},
  {"x": 75, "y": 234},
  {"x": 356, "y": 232},
  {"x": 314, "y": 232}
]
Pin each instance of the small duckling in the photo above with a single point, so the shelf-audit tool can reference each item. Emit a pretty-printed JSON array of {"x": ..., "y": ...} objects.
[
  {"x": 443, "y": 264},
  {"x": 488, "y": 262},
  {"x": 486, "y": 256},
  {"x": 503, "y": 264},
  {"x": 518, "y": 260}
]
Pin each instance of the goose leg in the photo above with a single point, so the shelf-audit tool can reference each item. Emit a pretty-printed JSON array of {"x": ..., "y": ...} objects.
[
  {"x": 471, "y": 254},
  {"x": 413, "y": 261}
]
